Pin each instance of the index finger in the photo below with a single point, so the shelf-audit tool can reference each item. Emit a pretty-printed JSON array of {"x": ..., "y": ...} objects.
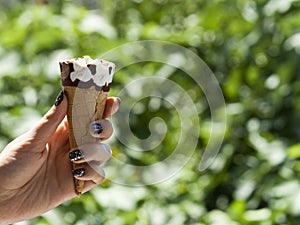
[{"x": 111, "y": 106}]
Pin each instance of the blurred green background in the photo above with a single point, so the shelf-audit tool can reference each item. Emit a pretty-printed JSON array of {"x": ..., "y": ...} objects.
[{"x": 252, "y": 47}]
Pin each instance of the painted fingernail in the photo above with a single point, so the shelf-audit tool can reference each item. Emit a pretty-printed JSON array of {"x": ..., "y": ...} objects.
[
  {"x": 78, "y": 172},
  {"x": 119, "y": 100},
  {"x": 97, "y": 128},
  {"x": 76, "y": 155},
  {"x": 59, "y": 98}
]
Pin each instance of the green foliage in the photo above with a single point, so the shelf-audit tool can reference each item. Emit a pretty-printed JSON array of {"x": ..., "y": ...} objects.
[{"x": 253, "y": 49}]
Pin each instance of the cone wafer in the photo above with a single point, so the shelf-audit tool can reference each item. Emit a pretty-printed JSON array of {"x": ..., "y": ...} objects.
[{"x": 86, "y": 83}]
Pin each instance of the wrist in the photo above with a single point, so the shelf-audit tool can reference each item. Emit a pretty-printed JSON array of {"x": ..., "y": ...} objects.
[
  {"x": 4, "y": 213},
  {"x": 6, "y": 196}
]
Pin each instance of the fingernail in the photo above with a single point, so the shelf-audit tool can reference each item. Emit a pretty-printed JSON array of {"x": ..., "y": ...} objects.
[
  {"x": 78, "y": 172},
  {"x": 97, "y": 128},
  {"x": 119, "y": 100},
  {"x": 59, "y": 98},
  {"x": 76, "y": 155}
]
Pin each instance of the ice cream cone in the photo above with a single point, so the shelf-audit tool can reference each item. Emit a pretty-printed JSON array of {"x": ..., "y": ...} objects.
[
  {"x": 84, "y": 107},
  {"x": 86, "y": 103}
]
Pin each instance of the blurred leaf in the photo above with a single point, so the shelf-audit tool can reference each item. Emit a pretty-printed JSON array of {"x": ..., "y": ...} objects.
[{"x": 293, "y": 152}]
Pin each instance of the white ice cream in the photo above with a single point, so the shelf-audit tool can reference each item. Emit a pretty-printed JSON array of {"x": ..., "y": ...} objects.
[{"x": 103, "y": 71}]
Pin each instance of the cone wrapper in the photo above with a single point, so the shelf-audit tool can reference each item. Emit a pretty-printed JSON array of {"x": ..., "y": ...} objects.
[{"x": 86, "y": 83}]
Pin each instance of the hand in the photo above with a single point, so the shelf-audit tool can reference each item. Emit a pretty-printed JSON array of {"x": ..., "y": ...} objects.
[{"x": 35, "y": 168}]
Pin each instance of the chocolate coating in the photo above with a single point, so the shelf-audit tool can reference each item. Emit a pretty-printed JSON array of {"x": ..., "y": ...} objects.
[{"x": 66, "y": 68}]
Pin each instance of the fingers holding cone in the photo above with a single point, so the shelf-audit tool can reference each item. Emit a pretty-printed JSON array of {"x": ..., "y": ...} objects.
[
  {"x": 89, "y": 157},
  {"x": 103, "y": 129}
]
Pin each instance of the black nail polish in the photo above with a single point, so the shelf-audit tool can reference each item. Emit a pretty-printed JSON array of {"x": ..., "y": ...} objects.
[
  {"x": 97, "y": 128},
  {"x": 119, "y": 100},
  {"x": 76, "y": 155},
  {"x": 78, "y": 172},
  {"x": 59, "y": 98}
]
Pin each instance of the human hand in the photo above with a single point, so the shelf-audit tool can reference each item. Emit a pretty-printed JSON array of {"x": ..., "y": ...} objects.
[{"x": 35, "y": 168}]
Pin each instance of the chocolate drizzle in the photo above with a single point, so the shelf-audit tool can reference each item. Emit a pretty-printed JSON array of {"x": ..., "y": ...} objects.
[
  {"x": 92, "y": 68},
  {"x": 66, "y": 68}
]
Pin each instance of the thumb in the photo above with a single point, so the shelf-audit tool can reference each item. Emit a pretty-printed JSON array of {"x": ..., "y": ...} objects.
[{"x": 50, "y": 121}]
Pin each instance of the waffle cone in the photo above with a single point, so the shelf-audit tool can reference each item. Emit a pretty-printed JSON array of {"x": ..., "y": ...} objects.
[{"x": 85, "y": 105}]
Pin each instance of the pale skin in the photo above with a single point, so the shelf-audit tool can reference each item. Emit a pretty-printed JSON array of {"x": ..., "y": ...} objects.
[{"x": 35, "y": 170}]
